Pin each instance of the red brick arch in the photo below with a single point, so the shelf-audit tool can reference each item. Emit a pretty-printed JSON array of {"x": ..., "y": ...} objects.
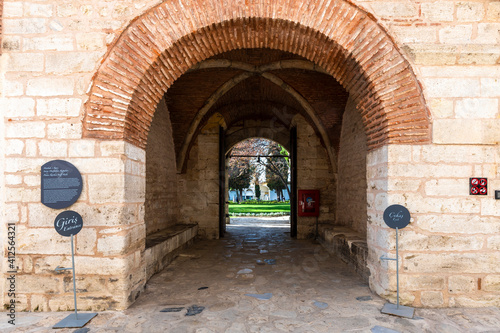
[{"x": 167, "y": 40}]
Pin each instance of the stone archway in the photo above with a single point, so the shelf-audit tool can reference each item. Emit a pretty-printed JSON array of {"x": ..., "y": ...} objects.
[{"x": 167, "y": 40}]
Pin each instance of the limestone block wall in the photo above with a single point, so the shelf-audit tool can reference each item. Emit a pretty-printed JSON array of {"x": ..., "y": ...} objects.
[
  {"x": 198, "y": 188},
  {"x": 314, "y": 172},
  {"x": 352, "y": 186},
  {"x": 161, "y": 173},
  {"x": 50, "y": 53},
  {"x": 450, "y": 251},
  {"x": 110, "y": 271}
]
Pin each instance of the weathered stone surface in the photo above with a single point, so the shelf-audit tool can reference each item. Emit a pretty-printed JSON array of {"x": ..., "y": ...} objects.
[
  {"x": 452, "y": 262},
  {"x": 458, "y": 284},
  {"x": 432, "y": 298},
  {"x": 491, "y": 283}
]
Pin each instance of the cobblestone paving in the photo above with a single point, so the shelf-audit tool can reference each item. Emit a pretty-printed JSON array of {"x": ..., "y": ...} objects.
[{"x": 257, "y": 279}]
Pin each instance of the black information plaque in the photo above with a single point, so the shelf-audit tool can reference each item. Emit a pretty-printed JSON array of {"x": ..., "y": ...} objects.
[
  {"x": 68, "y": 223},
  {"x": 397, "y": 216},
  {"x": 61, "y": 184}
]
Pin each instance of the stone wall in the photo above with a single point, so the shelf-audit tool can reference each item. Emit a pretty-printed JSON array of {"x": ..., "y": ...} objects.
[
  {"x": 51, "y": 51},
  {"x": 161, "y": 174},
  {"x": 450, "y": 250},
  {"x": 198, "y": 188},
  {"x": 314, "y": 172},
  {"x": 351, "y": 191}
]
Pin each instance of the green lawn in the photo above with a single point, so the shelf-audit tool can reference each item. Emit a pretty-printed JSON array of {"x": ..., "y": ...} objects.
[{"x": 259, "y": 208}]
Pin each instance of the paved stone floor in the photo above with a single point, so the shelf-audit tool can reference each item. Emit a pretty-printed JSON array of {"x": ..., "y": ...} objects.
[{"x": 257, "y": 279}]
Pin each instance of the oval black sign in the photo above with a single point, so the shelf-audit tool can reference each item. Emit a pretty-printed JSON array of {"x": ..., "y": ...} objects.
[
  {"x": 396, "y": 216},
  {"x": 61, "y": 184},
  {"x": 68, "y": 223}
]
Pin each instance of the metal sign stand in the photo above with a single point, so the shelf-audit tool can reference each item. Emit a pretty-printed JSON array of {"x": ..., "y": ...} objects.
[
  {"x": 74, "y": 320},
  {"x": 396, "y": 217}
]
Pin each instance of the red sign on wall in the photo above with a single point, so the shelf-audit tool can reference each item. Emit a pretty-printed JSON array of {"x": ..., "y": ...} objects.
[
  {"x": 478, "y": 186},
  {"x": 308, "y": 203}
]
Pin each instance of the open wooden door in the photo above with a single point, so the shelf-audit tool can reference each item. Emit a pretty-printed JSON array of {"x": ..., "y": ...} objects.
[
  {"x": 222, "y": 182},
  {"x": 293, "y": 182}
]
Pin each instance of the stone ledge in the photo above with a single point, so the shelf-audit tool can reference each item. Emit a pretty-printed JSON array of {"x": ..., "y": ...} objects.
[
  {"x": 347, "y": 244},
  {"x": 163, "y": 246}
]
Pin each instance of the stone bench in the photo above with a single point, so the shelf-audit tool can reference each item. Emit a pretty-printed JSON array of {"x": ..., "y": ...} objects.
[
  {"x": 164, "y": 246},
  {"x": 347, "y": 244}
]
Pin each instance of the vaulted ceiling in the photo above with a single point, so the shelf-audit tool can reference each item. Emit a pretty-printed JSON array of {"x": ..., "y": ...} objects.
[{"x": 255, "y": 84}]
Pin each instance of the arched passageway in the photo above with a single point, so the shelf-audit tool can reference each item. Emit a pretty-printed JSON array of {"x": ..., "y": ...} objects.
[{"x": 176, "y": 89}]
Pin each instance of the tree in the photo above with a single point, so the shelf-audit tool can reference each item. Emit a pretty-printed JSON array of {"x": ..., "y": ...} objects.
[
  {"x": 277, "y": 178},
  {"x": 277, "y": 168},
  {"x": 240, "y": 173}
]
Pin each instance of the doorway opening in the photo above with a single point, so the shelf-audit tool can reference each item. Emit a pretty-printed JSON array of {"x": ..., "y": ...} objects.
[{"x": 259, "y": 184}]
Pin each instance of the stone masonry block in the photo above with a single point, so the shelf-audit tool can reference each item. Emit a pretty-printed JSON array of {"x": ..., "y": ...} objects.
[
  {"x": 441, "y": 107},
  {"x": 64, "y": 131},
  {"x": 41, "y": 241},
  {"x": 13, "y": 88},
  {"x": 50, "y": 87},
  {"x": 416, "y": 170},
  {"x": 439, "y": 11},
  {"x": 452, "y": 87},
  {"x": 459, "y": 224},
  {"x": 394, "y": 9},
  {"x": 73, "y": 62},
  {"x": 86, "y": 241},
  {"x": 461, "y": 284},
  {"x": 416, "y": 203},
  {"x": 468, "y": 11},
  {"x": 38, "y": 10},
  {"x": 457, "y": 34},
  {"x": 92, "y": 41},
  {"x": 19, "y": 194},
  {"x": 490, "y": 207},
  {"x": 447, "y": 187},
  {"x": 53, "y": 148},
  {"x": 493, "y": 11},
  {"x": 99, "y": 165},
  {"x": 25, "y": 62},
  {"x": 432, "y": 299},
  {"x": 413, "y": 34},
  {"x": 82, "y": 148},
  {"x": 454, "y": 154},
  {"x": 494, "y": 242},
  {"x": 452, "y": 263},
  {"x": 38, "y": 284},
  {"x": 479, "y": 131},
  {"x": 104, "y": 266},
  {"x": 49, "y": 43},
  {"x": 24, "y": 26},
  {"x": 25, "y": 129},
  {"x": 413, "y": 241},
  {"x": 12, "y": 9},
  {"x": 135, "y": 153},
  {"x": 104, "y": 188},
  {"x": 422, "y": 282},
  {"x": 474, "y": 301},
  {"x": 18, "y": 107},
  {"x": 488, "y": 33},
  {"x": 24, "y": 165},
  {"x": 490, "y": 87},
  {"x": 474, "y": 108},
  {"x": 491, "y": 283},
  {"x": 110, "y": 148},
  {"x": 59, "y": 107}
]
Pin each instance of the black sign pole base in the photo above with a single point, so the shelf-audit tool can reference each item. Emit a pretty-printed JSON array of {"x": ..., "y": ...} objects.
[
  {"x": 72, "y": 322},
  {"x": 401, "y": 310}
]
